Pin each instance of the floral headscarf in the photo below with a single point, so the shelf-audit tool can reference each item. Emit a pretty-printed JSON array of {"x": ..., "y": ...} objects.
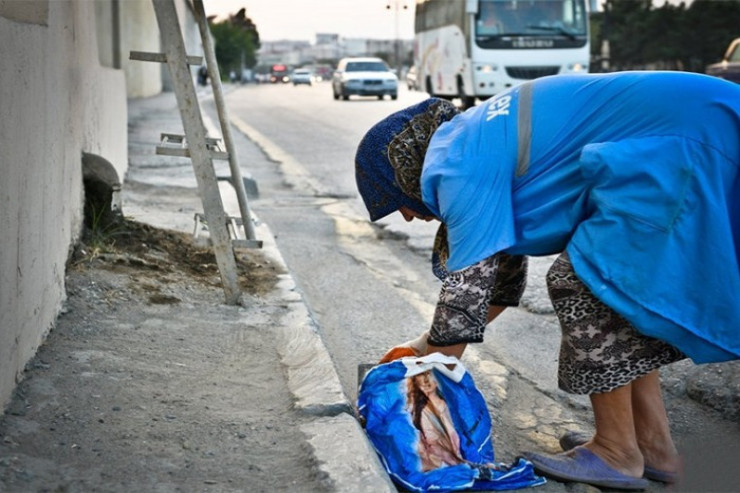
[{"x": 390, "y": 157}]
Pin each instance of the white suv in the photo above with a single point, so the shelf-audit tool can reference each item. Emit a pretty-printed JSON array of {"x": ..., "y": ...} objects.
[{"x": 363, "y": 77}]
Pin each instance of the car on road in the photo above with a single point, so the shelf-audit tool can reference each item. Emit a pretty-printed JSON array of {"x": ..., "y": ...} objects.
[
  {"x": 729, "y": 67},
  {"x": 301, "y": 76},
  {"x": 364, "y": 76}
]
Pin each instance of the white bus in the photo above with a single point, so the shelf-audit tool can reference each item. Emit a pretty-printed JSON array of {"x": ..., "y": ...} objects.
[{"x": 473, "y": 49}]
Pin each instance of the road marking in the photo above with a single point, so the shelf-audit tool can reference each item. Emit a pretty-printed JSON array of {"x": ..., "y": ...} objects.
[{"x": 294, "y": 172}]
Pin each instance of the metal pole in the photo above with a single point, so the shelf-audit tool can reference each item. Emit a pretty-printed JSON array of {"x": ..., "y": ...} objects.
[
  {"x": 605, "y": 49},
  {"x": 214, "y": 74},
  {"x": 397, "y": 43}
]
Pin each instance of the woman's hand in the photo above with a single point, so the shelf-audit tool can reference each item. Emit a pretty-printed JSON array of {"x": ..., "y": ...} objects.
[{"x": 414, "y": 348}]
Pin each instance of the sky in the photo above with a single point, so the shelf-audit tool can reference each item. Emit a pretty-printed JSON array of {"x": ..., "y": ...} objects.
[{"x": 302, "y": 19}]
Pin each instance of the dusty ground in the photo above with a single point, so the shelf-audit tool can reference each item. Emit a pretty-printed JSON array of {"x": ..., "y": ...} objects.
[{"x": 148, "y": 382}]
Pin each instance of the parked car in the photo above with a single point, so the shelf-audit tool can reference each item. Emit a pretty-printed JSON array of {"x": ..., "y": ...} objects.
[
  {"x": 363, "y": 76},
  {"x": 301, "y": 76},
  {"x": 411, "y": 82},
  {"x": 729, "y": 67}
]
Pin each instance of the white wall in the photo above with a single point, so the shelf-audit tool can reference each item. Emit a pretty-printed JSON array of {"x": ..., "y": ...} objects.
[
  {"x": 140, "y": 32},
  {"x": 64, "y": 83},
  {"x": 56, "y": 102}
]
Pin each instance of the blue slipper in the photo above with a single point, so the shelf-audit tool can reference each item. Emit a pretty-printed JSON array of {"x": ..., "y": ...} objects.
[
  {"x": 660, "y": 476},
  {"x": 572, "y": 439},
  {"x": 583, "y": 466}
]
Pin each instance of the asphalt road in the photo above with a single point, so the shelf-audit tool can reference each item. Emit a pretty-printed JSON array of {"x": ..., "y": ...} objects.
[{"x": 369, "y": 286}]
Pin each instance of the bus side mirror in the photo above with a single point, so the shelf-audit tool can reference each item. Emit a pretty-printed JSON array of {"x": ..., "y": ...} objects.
[{"x": 471, "y": 6}]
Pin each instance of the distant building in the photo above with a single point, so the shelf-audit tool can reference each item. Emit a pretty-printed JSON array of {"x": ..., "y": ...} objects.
[
  {"x": 355, "y": 47},
  {"x": 284, "y": 51},
  {"x": 327, "y": 38},
  {"x": 325, "y": 51},
  {"x": 329, "y": 48}
]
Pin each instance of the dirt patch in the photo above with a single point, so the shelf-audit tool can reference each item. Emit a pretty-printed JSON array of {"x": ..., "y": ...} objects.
[
  {"x": 156, "y": 253},
  {"x": 149, "y": 382}
]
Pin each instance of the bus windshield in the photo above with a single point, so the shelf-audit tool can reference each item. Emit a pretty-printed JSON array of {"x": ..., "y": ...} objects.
[{"x": 531, "y": 18}]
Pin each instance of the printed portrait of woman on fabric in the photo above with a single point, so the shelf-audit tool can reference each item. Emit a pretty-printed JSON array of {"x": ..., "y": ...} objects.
[
  {"x": 439, "y": 442},
  {"x": 431, "y": 428}
]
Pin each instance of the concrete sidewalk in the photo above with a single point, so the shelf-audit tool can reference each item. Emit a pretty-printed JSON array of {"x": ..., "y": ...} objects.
[
  {"x": 337, "y": 441},
  {"x": 148, "y": 382}
]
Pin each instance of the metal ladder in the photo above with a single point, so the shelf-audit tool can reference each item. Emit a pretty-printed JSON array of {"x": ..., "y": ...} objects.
[{"x": 200, "y": 148}]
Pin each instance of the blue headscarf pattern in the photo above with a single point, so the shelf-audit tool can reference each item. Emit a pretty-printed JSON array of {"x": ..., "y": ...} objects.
[{"x": 387, "y": 171}]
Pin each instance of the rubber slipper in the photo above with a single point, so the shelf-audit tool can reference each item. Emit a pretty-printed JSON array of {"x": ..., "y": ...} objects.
[
  {"x": 580, "y": 465},
  {"x": 573, "y": 439},
  {"x": 660, "y": 476}
]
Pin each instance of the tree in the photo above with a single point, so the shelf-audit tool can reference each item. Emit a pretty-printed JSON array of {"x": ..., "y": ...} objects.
[
  {"x": 710, "y": 26},
  {"x": 236, "y": 42},
  {"x": 673, "y": 37},
  {"x": 628, "y": 29}
]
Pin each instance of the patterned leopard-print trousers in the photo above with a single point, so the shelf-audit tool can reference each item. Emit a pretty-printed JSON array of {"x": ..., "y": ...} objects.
[{"x": 600, "y": 351}]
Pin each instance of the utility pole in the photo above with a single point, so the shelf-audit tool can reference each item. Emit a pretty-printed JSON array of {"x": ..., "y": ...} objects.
[
  {"x": 605, "y": 50},
  {"x": 397, "y": 5}
]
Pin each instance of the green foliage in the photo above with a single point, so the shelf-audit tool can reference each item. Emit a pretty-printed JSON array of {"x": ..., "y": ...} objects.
[
  {"x": 673, "y": 37},
  {"x": 236, "y": 42}
]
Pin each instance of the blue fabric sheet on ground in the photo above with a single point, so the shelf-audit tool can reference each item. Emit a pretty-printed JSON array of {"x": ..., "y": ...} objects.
[{"x": 431, "y": 429}]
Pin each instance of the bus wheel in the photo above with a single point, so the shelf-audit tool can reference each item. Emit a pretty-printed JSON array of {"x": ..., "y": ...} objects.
[
  {"x": 429, "y": 86},
  {"x": 467, "y": 102}
]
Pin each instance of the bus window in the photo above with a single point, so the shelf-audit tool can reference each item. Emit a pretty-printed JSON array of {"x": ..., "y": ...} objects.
[
  {"x": 531, "y": 17},
  {"x": 486, "y": 22}
]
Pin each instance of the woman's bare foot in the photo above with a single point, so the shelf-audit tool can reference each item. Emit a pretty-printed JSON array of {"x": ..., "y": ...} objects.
[{"x": 627, "y": 460}]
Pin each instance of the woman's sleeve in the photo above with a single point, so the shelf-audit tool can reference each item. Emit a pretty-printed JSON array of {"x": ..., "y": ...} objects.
[{"x": 462, "y": 309}]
